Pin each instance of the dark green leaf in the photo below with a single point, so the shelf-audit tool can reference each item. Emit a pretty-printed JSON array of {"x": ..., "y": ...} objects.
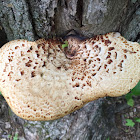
[
  {"x": 136, "y": 90},
  {"x": 137, "y": 120},
  {"x": 128, "y": 96}
]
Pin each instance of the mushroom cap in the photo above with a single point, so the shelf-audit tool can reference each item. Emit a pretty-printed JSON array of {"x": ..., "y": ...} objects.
[{"x": 42, "y": 81}]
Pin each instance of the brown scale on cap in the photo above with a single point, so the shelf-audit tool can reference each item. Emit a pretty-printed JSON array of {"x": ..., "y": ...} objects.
[{"x": 42, "y": 81}]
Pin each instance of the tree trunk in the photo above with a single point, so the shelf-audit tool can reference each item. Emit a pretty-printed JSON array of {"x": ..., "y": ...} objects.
[{"x": 34, "y": 19}]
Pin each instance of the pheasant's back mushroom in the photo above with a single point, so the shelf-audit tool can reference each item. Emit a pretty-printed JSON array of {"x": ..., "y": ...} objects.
[{"x": 42, "y": 81}]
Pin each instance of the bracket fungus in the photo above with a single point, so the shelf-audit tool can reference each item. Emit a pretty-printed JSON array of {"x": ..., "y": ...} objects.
[{"x": 43, "y": 81}]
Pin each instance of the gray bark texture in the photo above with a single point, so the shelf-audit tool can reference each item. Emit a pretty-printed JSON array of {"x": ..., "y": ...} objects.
[{"x": 33, "y": 19}]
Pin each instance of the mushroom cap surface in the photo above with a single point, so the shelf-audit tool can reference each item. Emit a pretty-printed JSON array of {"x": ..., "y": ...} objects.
[{"x": 42, "y": 81}]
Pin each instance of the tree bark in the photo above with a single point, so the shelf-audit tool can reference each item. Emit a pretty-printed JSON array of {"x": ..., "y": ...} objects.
[{"x": 34, "y": 19}]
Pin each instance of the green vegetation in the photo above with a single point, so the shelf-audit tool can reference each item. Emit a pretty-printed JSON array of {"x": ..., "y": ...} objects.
[
  {"x": 130, "y": 101},
  {"x": 65, "y": 44},
  {"x": 137, "y": 120},
  {"x": 9, "y": 136},
  {"x": 129, "y": 122},
  {"x": 134, "y": 92},
  {"x": 15, "y": 137}
]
